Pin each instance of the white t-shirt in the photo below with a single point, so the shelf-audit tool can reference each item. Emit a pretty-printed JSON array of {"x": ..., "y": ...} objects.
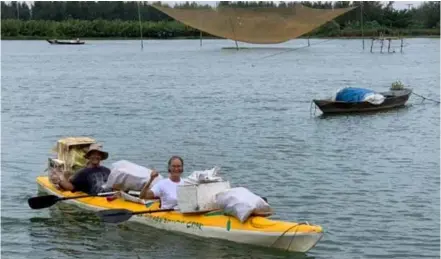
[{"x": 166, "y": 190}]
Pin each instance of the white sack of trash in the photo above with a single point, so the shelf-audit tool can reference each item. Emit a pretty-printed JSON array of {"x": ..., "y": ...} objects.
[
  {"x": 205, "y": 176},
  {"x": 241, "y": 203},
  {"x": 127, "y": 175}
]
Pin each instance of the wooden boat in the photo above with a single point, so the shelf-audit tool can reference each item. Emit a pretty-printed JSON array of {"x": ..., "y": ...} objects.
[
  {"x": 393, "y": 99},
  {"x": 65, "y": 42}
]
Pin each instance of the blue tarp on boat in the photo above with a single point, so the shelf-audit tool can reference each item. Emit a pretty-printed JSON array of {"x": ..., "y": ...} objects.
[{"x": 352, "y": 94}]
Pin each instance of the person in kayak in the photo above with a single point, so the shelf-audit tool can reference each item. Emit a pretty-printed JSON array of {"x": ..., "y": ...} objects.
[
  {"x": 165, "y": 189},
  {"x": 91, "y": 178}
]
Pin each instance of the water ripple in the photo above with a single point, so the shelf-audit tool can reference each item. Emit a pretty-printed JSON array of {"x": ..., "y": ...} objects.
[{"x": 372, "y": 181}]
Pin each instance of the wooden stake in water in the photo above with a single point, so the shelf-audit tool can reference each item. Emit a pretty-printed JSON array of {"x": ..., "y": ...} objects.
[
  {"x": 402, "y": 41},
  {"x": 200, "y": 37},
  {"x": 140, "y": 26},
  {"x": 362, "y": 32},
  {"x": 382, "y": 43},
  {"x": 234, "y": 34}
]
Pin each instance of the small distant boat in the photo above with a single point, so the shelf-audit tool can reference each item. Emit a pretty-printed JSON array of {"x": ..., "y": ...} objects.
[
  {"x": 65, "y": 42},
  {"x": 384, "y": 101}
]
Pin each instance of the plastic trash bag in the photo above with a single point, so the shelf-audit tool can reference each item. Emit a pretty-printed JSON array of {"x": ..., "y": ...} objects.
[
  {"x": 241, "y": 203},
  {"x": 206, "y": 176},
  {"x": 129, "y": 176}
]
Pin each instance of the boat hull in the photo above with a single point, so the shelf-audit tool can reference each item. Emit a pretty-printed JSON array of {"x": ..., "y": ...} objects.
[
  {"x": 259, "y": 231},
  {"x": 58, "y": 42},
  {"x": 394, "y": 99}
]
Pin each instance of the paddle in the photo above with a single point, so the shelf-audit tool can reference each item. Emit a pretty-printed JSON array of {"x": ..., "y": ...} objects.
[
  {"x": 41, "y": 202},
  {"x": 121, "y": 215}
]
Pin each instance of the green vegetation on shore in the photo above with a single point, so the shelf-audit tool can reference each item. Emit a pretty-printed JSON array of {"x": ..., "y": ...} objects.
[
  {"x": 117, "y": 29},
  {"x": 118, "y": 20}
]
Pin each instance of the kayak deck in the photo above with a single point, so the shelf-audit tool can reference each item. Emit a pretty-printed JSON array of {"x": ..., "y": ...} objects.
[{"x": 256, "y": 230}]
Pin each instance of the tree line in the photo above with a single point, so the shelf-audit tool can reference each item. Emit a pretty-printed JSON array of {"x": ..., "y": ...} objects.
[{"x": 119, "y": 19}]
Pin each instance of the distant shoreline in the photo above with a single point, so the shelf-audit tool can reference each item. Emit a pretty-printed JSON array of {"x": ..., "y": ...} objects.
[
  {"x": 203, "y": 38},
  {"x": 171, "y": 30}
]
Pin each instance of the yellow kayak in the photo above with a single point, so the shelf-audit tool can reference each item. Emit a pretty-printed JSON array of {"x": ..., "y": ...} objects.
[{"x": 257, "y": 230}]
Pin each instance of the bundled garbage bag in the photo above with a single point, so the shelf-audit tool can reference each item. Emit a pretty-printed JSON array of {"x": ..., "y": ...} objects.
[
  {"x": 241, "y": 203},
  {"x": 129, "y": 176},
  {"x": 55, "y": 173},
  {"x": 206, "y": 176},
  {"x": 374, "y": 98}
]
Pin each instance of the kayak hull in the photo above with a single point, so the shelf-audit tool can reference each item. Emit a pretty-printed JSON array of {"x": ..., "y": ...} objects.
[{"x": 259, "y": 231}]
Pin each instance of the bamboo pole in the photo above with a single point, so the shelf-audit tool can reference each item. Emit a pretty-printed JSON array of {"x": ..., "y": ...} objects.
[
  {"x": 362, "y": 31},
  {"x": 402, "y": 41},
  {"x": 382, "y": 43},
  {"x": 234, "y": 34},
  {"x": 140, "y": 26}
]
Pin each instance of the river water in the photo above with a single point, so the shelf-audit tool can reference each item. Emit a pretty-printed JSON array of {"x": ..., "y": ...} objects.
[{"x": 372, "y": 181}]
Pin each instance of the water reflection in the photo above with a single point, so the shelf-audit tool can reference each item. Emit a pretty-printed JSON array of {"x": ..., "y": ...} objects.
[{"x": 73, "y": 232}]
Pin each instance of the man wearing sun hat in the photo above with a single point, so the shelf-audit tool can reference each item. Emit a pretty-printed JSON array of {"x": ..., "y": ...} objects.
[{"x": 92, "y": 177}]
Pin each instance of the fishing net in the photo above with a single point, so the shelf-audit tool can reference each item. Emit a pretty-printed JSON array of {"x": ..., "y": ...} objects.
[{"x": 260, "y": 25}]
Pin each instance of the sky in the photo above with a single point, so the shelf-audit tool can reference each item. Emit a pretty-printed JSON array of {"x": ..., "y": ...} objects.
[{"x": 403, "y": 4}]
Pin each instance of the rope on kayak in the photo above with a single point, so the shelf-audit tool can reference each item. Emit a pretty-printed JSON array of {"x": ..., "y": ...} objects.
[
  {"x": 286, "y": 231},
  {"x": 292, "y": 239}
]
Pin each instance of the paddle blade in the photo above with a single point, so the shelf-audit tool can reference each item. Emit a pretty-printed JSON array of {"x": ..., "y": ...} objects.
[
  {"x": 115, "y": 216},
  {"x": 41, "y": 202}
]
